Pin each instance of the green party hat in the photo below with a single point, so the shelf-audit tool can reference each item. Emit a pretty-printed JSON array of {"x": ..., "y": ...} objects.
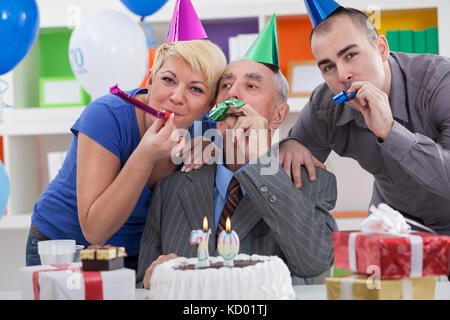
[{"x": 265, "y": 47}]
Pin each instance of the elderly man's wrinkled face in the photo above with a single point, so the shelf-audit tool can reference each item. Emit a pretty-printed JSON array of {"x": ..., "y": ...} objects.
[{"x": 251, "y": 82}]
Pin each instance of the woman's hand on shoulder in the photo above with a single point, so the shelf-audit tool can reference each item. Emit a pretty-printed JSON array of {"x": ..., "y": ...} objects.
[{"x": 197, "y": 152}]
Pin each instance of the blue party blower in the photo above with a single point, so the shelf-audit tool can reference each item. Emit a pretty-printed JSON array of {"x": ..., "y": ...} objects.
[{"x": 343, "y": 96}]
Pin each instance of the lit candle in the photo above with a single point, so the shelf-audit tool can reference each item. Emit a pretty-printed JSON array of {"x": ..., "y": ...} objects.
[
  {"x": 201, "y": 238},
  {"x": 228, "y": 244}
]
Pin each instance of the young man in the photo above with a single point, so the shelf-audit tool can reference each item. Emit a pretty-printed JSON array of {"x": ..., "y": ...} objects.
[
  {"x": 272, "y": 217},
  {"x": 397, "y": 127}
]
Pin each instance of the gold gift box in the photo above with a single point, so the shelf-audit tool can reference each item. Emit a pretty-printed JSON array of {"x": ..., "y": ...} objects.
[{"x": 362, "y": 287}]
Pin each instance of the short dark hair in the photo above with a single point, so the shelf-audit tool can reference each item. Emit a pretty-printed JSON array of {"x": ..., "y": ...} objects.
[{"x": 359, "y": 19}]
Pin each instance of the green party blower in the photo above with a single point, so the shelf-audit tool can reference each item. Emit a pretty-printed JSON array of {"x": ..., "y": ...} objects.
[{"x": 220, "y": 111}]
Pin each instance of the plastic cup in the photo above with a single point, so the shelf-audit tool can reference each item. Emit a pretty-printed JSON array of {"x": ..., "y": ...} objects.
[
  {"x": 56, "y": 251},
  {"x": 76, "y": 255}
]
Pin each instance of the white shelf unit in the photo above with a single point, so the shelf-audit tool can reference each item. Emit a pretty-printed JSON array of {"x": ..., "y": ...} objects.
[{"x": 30, "y": 133}]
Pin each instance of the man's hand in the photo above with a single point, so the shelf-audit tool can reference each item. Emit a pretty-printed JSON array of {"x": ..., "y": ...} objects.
[
  {"x": 149, "y": 272},
  {"x": 197, "y": 152},
  {"x": 251, "y": 131},
  {"x": 292, "y": 155},
  {"x": 374, "y": 106}
]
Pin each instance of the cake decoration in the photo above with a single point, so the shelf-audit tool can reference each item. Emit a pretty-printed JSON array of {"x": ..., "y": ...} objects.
[
  {"x": 228, "y": 244},
  {"x": 102, "y": 258},
  {"x": 201, "y": 237}
]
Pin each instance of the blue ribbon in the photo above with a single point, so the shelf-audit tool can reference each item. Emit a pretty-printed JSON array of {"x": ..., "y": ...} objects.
[
  {"x": 4, "y": 105},
  {"x": 149, "y": 34}
]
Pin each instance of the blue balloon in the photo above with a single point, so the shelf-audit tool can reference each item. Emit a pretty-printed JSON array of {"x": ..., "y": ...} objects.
[
  {"x": 4, "y": 189},
  {"x": 19, "y": 26},
  {"x": 143, "y": 8}
]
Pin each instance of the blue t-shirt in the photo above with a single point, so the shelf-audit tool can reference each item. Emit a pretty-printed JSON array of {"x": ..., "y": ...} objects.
[{"x": 112, "y": 123}]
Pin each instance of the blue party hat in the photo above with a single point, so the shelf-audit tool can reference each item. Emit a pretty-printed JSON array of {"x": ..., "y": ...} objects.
[{"x": 319, "y": 10}]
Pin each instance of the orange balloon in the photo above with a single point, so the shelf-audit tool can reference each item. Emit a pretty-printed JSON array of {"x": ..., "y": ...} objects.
[{"x": 1, "y": 150}]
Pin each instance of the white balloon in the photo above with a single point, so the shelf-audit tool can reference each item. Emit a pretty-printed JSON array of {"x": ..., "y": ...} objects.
[{"x": 108, "y": 48}]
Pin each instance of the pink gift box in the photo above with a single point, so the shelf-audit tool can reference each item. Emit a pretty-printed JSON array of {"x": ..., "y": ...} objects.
[{"x": 416, "y": 254}]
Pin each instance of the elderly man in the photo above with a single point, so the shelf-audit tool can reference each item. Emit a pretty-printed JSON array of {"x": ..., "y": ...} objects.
[
  {"x": 269, "y": 214},
  {"x": 271, "y": 218}
]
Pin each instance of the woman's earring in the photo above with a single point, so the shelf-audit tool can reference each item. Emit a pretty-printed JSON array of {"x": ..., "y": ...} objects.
[{"x": 146, "y": 99}]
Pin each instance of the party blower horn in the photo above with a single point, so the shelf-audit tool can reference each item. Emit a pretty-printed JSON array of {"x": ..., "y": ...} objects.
[
  {"x": 115, "y": 90},
  {"x": 263, "y": 50},
  {"x": 185, "y": 24}
]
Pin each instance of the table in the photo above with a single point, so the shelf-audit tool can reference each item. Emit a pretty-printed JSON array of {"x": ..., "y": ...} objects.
[
  {"x": 309, "y": 292},
  {"x": 318, "y": 292}
]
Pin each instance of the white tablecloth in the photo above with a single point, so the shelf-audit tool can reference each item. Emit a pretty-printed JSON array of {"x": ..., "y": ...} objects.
[
  {"x": 310, "y": 292},
  {"x": 318, "y": 292}
]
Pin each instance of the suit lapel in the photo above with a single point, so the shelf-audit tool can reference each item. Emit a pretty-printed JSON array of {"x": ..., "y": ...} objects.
[
  {"x": 197, "y": 200},
  {"x": 245, "y": 217}
]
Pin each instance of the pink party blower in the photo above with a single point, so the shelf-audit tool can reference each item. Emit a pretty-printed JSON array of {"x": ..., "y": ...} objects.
[{"x": 126, "y": 97}]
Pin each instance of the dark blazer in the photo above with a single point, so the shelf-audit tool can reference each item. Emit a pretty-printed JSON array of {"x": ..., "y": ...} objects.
[{"x": 273, "y": 218}]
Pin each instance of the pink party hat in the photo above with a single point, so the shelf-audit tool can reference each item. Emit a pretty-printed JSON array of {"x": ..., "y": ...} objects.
[{"x": 185, "y": 24}]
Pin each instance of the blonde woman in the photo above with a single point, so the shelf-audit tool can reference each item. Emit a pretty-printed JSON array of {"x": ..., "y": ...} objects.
[{"x": 118, "y": 153}]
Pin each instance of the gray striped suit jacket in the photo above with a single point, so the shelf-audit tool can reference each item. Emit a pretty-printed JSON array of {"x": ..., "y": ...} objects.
[{"x": 273, "y": 218}]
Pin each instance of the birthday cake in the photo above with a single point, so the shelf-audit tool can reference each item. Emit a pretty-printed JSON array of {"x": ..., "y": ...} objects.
[{"x": 251, "y": 277}]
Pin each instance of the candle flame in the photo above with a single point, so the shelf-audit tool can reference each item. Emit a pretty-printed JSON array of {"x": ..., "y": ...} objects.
[
  {"x": 228, "y": 225},
  {"x": 205, "y": 224}
]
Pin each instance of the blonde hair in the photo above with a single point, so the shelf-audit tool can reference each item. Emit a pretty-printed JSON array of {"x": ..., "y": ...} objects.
[{"x": 201, "y": 55}]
